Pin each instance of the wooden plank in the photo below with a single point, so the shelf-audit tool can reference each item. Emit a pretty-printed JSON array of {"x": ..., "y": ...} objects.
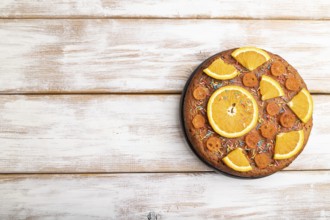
[
  {"x": 256, "y": 9},
  {"x": 145, "y": 55},
  {"x": 296, "y": 194},
  {"x": 116, "y": 133}
]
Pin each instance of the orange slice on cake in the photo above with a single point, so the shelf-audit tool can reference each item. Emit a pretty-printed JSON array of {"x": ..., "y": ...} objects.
[
  {"x": 270, "y": 88},
  {"x": 250, "y": 57},
  {"x": 232, "y": 111},
  {"x": 288, "y": 144},
  {"x": 302, "y": 105},
  {"x": 237, "y": 160},
  {"x": 221, "y": 70}
]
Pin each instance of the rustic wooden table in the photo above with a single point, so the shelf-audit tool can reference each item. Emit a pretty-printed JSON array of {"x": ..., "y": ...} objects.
[{"x": 89, "y": 108}]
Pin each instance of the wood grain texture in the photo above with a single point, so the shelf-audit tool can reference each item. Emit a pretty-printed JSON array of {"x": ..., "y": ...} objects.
[
  {"x": 290, "y": 195},
  {"x": 97, "y": 51},
  {"x": 116, "y": 133},
  {"x": 145, "y": 55},
  {"x": 251, "y": 9}
]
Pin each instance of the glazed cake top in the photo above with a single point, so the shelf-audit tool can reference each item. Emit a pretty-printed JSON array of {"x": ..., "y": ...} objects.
[{"x": 248, "y": 112}]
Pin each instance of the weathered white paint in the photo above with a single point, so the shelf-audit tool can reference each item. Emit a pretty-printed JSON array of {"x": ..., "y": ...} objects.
[
  {"x": 258, "y": 9},
  {"x": 127, "y": 133},
  {"x": 145, "y": 55},
  {"x": 285, "y": 195},
  {"x": 116, "y": 133}
]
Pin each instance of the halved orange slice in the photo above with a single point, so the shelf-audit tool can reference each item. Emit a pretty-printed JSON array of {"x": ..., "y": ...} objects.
[
  {"x": 288, "y": 144},
  {"x": 250, "y": 57},
  {"x": 221, "y": 70},
  {"x": 302, "y": 105},
  {"x": 270, "y": 88},
  {"x": 237, "y": 160},
  {"x": 232, "y": 111}
]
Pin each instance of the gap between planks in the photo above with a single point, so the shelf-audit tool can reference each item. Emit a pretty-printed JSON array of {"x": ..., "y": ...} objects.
[
  {"x": 122, "y": 172},
  {"x": 157, "y": 18},
  {"x": 145, "y": 172},
  {"x": 161, "y": 93},
  {"x": 97, "y": 93},
  {"x": 32, "y": 174}
]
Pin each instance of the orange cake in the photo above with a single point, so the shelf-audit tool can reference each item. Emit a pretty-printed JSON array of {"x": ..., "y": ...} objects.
[{"x": 247, "y": 112}]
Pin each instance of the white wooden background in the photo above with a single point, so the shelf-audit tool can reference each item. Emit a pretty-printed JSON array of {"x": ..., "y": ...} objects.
[{"x": 89, "y": 108}]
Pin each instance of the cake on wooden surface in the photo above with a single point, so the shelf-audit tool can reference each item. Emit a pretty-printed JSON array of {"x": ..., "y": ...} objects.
[{"x": 247, "y": 112}]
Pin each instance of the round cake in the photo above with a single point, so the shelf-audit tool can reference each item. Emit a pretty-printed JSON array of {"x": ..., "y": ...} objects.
[{"x": 247, "y": 112}]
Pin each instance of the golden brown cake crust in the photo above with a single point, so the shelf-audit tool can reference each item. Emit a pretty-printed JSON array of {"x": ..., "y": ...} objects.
[{"x": 197, "y": 137}]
